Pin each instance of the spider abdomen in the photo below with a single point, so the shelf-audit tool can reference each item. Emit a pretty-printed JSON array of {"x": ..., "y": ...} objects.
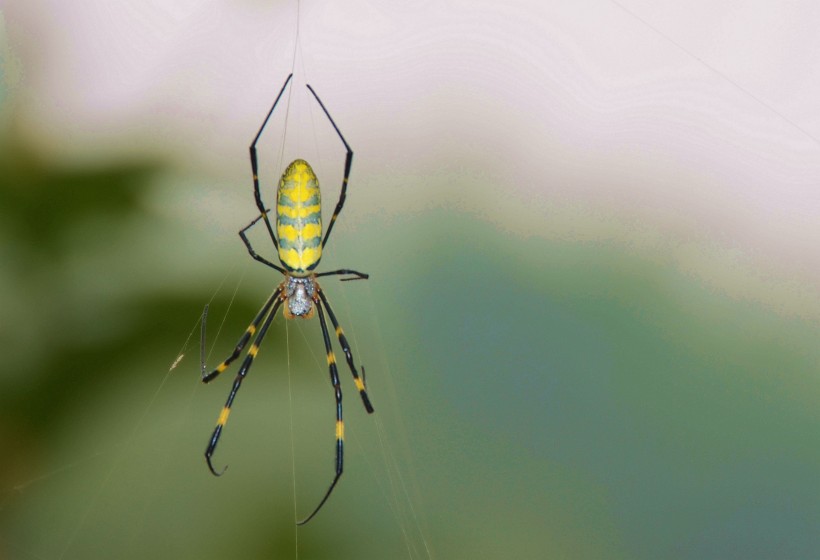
[{"x": 299, "y": 218}]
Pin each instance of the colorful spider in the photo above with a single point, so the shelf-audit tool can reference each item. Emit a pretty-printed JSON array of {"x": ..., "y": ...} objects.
[{"x": 299, "y": 243}]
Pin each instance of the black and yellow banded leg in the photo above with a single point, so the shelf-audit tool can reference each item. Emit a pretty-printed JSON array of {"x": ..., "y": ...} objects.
[
  {"x": 246, "y": 336},
  {"x": 250, "y": 248},
  {"x": 340, "y": 427},
  {"x": 356, "y": 274},
  {"x": 348, "y": 165},
  {"x": 359, "y": 381},
  {"x": 255, "y": 166},
  {"x": 243, "y": 371}
]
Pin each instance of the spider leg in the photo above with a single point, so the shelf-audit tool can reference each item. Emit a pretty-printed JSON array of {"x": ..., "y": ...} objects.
[
  {"x": 255, "y": 167},
  {"x": 250, "y": 248},
  {"x": 243, "y": 371},
  {"x": 359, "y": 275},
  {"x": 359, "y": 381},
  {"x": 246, "y": 336},
  {"x": 348, "y": 164},
  {"x": 340, "y": 429}
]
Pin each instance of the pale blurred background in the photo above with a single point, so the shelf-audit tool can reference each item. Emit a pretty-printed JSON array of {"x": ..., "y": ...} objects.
[{"x": 592, "y": 320}]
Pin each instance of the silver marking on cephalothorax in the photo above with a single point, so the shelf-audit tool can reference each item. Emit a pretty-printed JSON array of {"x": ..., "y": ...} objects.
[{"x": 300, "y": 293}]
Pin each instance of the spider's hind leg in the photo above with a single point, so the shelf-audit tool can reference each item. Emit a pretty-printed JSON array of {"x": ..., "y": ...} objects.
[
  {"x": 340, "y": 429},
  {"x": 359, "y": 381}
]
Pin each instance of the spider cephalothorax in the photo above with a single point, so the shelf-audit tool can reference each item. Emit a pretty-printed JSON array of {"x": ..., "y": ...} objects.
[{"x": 299, "y": 294}]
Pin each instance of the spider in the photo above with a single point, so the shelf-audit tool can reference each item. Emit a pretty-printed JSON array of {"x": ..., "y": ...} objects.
[{"x": 299, "y": 243}]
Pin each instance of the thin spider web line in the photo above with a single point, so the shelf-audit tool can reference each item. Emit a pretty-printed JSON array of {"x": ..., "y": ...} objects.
[
  {"x": 717, "y": 72},
  {"x": 120, "y": 457},
  {"x": 388, "y": 458},
  {"x": 292, "y": 440},
  {"x": 296, "y": 49}
]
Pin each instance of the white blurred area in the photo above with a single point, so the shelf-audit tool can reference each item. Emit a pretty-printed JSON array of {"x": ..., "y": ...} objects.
[{"x": 688, "y": 131}]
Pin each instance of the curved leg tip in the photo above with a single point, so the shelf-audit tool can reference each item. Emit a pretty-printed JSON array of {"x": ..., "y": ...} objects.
[
  {"x": 327, "y": 495},
  {"x": 213, "y": 470}
]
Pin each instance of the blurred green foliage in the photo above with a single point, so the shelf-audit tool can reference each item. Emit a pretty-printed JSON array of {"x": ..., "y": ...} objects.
[
  {"x": 543, "y": 397},
  {"x": 42, "y": 204}
]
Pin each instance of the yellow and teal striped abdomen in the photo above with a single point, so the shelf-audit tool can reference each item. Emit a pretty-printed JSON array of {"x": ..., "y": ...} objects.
[{"x": 299, "y": 218}]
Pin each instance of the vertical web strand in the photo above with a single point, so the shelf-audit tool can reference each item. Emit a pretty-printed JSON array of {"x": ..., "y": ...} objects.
[
  {"x": 287, "y": 337},
  {"x": 292, "y": 444}
]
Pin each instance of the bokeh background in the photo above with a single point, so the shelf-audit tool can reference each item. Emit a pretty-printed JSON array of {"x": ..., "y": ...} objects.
[{"x": 591, "y": 328}]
